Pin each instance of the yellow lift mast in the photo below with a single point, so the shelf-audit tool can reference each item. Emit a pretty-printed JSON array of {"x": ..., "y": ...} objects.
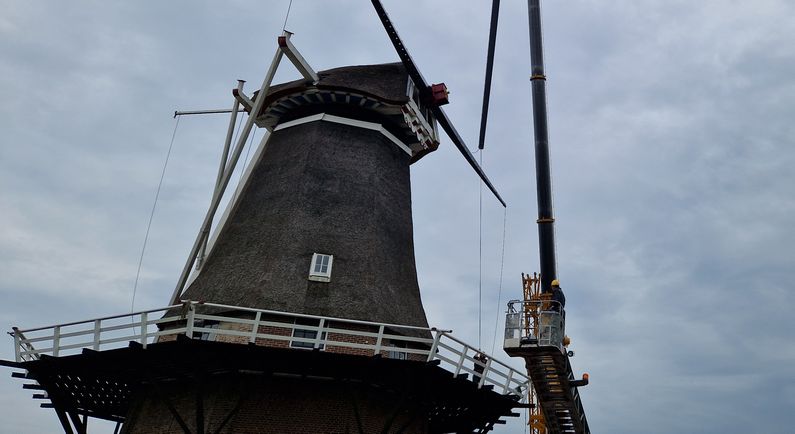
[
  {"x": 535, "y": 331},
  {"x": 531, "y": 290}
]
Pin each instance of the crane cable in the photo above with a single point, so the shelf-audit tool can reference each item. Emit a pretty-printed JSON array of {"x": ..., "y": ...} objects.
[
  {"x": 499, "y": 291},
  {"x": 480, "y": 257},
  {"x": 152, "y": 215},
  {"x": 245, "y": 162},
  {"x": 284, "y": 26},
  {"x": 480, "y": 265}
]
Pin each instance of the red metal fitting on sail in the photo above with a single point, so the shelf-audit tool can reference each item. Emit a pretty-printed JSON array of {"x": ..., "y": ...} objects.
[{"x": 439, "y": 94}]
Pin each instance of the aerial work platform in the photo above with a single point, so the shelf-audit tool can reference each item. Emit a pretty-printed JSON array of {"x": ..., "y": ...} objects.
[{"x": 534, "y": 330}]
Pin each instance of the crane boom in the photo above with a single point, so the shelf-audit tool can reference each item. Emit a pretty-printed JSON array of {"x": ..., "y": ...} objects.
[
  {"x": 535, "y": 326},
  {"x": 546, "y": 218}
]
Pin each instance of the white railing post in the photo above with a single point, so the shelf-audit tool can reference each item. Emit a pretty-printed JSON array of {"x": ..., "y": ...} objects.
[
  {"x": 485, "y": 373},
  {"x": 97, "y": 328},
  {"x": 379, "y": 340},
  {"x": 144, "y": 328},
  {"x": 319, "y": 335},
  {"x": 17, "y": 343},
  {"x": 434, "y": 345},
  {"x": 255, "y": 328},
  {"x": 189, "y": 323},
  {"x": 461, "y": 360},
  {"x": 508, "y": 382},
  {"x": 439, "y": 351},
  {"x": 56, "y": 340}
]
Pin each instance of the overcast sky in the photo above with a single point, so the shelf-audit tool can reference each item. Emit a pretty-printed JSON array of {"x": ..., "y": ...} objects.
[{"x": 672, "y": 155}]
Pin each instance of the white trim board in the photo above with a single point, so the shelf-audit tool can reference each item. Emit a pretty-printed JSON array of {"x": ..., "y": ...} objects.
[{"x": 346, "y": 121}]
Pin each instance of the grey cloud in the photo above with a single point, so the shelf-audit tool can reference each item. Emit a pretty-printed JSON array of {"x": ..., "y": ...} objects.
[{"x": 671, "y": 132}]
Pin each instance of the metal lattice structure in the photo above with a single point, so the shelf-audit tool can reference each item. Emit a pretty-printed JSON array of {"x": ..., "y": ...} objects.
[
  {"x": 531, "y": 290},
  {"x": 534, "y": 330}
]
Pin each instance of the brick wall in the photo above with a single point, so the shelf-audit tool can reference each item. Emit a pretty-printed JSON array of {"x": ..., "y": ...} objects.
[
  {"x": 274, "y": 405},
  {"x": 274, "y": 329}
]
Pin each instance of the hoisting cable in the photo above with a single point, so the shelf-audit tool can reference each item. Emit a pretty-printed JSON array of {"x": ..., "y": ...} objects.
[
  {"x": 248, "y": 151},
  {"x": 502, "y": 267},
  {"x": 237, "y": 133},
  {"x": 245, "y": 162},
  {"x": 237, "y": 130},
  {"x": 284, "y": 27},
  {"x": 152, "y": 214},
  {"x": 480, "y": 257}
]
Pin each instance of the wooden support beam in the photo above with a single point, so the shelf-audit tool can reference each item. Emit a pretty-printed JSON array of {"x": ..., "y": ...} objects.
[
  {"x": 10, "y": 364},
  {"x": 199, "y": 404},
  {"x": 297, "y": 59},
  {"x": 171, "y": 409},
  {"x": 79, "y": 425},
  {"x": 67, "y": 427}
]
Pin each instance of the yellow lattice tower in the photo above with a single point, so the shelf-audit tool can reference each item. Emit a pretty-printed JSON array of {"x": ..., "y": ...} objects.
[
  {"x": 536, "y": 422},
  {"x": 531, "y": 289}
]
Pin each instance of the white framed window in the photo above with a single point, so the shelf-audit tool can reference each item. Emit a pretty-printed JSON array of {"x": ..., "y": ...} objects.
[
  {"x": 306, "y": 334},
  {"x": 394, "y": 353},
  {"x": 207, "y": 335},
  {"x": 320, "y": 269}
]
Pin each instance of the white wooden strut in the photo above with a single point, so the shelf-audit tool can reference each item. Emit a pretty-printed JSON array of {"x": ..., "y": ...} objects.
[
  {"x": 197, "y": 253},
  {"x": 230, "y": 167},
  {"x": 298, "y": 60},
  {"x": 224, "y": 157}
]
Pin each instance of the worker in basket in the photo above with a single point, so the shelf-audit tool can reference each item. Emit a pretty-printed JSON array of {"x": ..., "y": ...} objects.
[
  {"x": 557, "y": 295},
  {"x": 551, "y": 326}
]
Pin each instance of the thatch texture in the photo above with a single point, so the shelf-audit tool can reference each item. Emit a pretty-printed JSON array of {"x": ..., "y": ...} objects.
[{"x": 326, "y": 188}]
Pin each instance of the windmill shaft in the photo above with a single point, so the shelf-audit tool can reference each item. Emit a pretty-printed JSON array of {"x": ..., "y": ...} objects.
[
  {"x": 546, "y": 219},
  {"x": 441, "y": 117},
  {"x": 419, "y": 80},
  {"x": 495, "y": 13}
]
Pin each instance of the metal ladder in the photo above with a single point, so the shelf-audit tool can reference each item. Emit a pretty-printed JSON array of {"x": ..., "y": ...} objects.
[{"x": 551, "y": 375}]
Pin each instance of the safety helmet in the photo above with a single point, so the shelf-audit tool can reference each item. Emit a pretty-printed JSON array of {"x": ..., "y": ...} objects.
[{"x": 556, "y": 282}]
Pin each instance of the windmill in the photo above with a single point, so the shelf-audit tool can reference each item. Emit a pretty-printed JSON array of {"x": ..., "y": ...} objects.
[{"x": 300, "y": 310}]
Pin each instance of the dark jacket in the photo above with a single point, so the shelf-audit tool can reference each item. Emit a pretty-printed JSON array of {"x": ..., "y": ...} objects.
[{"x": 557, "y": 295}]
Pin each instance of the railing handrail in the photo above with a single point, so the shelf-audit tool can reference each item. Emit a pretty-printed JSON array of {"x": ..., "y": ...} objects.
[
  {"x": 539, "y": 302},
  {"x": 309, "y": 316},
  {"x": 237, "y": 308},
  {"x": 104, "y": 318},
  {"x": 473, "y": 348},
  {"x": 457, "y": 353}
]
